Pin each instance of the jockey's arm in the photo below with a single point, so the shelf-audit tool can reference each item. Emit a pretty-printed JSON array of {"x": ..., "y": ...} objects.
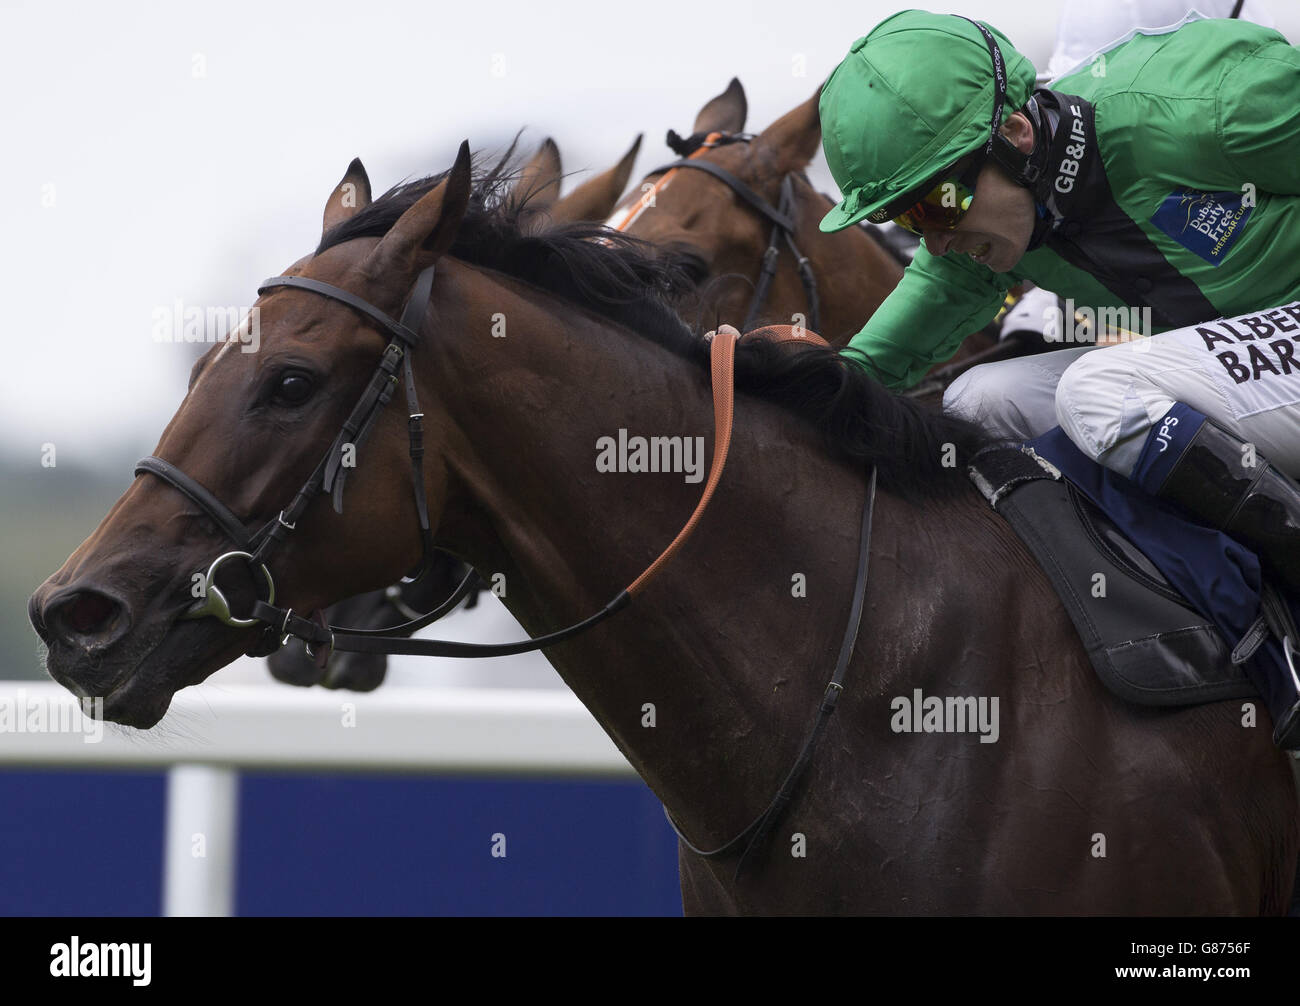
[
  {"x": 939, "y": 302},
  {"x": 1259, "y": 119}
]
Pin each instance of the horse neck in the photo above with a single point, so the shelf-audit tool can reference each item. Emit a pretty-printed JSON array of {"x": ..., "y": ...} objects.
[{"x": 523, "y": 415}]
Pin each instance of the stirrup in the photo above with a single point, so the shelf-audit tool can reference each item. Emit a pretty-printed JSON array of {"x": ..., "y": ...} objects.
[
  {"x": 1286, "y": 732},
  {"x": 1277, "y": 613}
]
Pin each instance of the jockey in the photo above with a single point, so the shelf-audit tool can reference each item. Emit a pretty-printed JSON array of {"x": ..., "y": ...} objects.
[{"x": 1157, "y": 186}]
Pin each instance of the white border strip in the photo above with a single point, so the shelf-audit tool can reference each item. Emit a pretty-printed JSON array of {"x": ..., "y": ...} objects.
[{"x": 497, "y": 731}]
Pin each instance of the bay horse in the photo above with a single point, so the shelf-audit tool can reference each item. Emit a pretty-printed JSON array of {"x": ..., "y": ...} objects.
[
  {"x": 723, "y": 239},
  {"x": 702, "y": 217},
  {"x": 720, "y": 240},
  {"x": 709, "y": 681}
]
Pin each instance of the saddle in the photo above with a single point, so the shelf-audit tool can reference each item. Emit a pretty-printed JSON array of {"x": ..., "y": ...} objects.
[{"x": 1182, "y": 620}]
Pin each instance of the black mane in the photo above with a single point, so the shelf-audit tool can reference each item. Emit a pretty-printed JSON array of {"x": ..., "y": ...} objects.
[{"x": 633, "y": 284}]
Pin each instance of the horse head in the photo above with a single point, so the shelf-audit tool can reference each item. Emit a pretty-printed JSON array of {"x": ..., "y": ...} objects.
[{"x": 261, "y": 410}]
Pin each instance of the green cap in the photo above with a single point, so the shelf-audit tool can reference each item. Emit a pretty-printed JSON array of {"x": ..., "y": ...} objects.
[{"x": 909, "y": 101}]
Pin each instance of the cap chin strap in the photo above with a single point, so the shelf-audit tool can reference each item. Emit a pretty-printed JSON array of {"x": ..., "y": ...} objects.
[
  {"x": 1036, "y": 164},
  {"x": 1024, "y": 169}
]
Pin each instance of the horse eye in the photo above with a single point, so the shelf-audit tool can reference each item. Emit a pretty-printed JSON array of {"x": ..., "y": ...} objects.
[
  {"x": 693, "y": 265},
  {"x": 294, "y": 388},
  {"x": 697, "y": 270}
]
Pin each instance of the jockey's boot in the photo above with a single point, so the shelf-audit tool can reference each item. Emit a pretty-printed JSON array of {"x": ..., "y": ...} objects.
[{"x": 1220, "y": 481}]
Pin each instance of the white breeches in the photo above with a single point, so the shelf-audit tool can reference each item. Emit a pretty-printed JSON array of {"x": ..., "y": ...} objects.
[{"x": 1243, "y": 373}]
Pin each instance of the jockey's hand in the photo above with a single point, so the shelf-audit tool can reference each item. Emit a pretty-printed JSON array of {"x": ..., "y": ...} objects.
[{"x": 708, "y": 336}]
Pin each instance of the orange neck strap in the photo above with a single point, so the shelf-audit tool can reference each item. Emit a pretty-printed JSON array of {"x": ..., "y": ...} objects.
[{"x": 722, "y": 355}]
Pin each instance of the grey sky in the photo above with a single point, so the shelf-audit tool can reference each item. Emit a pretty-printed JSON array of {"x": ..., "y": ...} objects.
[{"x": 187, "y": 150}]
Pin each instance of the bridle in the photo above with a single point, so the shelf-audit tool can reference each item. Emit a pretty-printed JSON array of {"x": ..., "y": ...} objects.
[
  {"x": 689, "y": 151},
  {"x": 329, "y": 475},
  {"x": 281, "y": 624}
]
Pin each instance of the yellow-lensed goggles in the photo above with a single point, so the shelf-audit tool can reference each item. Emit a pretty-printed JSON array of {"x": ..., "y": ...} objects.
[
  {"x": 941, "y": 208},
  {"x": 945, "y": 203}
]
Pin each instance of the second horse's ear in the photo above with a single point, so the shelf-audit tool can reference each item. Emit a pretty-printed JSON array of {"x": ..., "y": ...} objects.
[
  {"x": 425, "y": 232},
  {"x": 350, "y": 196},
  {"x": 537, "y": 186},
  {"x": 796, "y": 136},
  {"x": 596, "y": 198},
  {"x": 726, "y": 113}
]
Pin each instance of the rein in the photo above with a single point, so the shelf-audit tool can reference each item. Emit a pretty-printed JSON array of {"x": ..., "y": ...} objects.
[
  {"x": 328, "y": 477},
  {"x": 760, "y": 827}
]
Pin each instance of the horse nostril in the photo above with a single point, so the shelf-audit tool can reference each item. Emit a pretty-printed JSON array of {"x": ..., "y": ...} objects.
[
  {"x": 36, "y": 615},
  {"x": 81, "y": 613},
  {"x": 88, "y": 612}
]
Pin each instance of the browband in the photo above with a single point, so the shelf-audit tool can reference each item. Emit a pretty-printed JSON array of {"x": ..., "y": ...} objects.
[{"x": 397, "y": 329}]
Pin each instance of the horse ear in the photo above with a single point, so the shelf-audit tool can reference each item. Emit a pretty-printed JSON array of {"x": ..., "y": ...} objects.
[
  {"x": 796, "y": 136},
  {"x": 726, "y": 113},
  {"x": 538, "y": 183},
  {"x": 596, "y": 198},
  {"x": 350, "y": 196},
  {"x": 425, "y": 232}
]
